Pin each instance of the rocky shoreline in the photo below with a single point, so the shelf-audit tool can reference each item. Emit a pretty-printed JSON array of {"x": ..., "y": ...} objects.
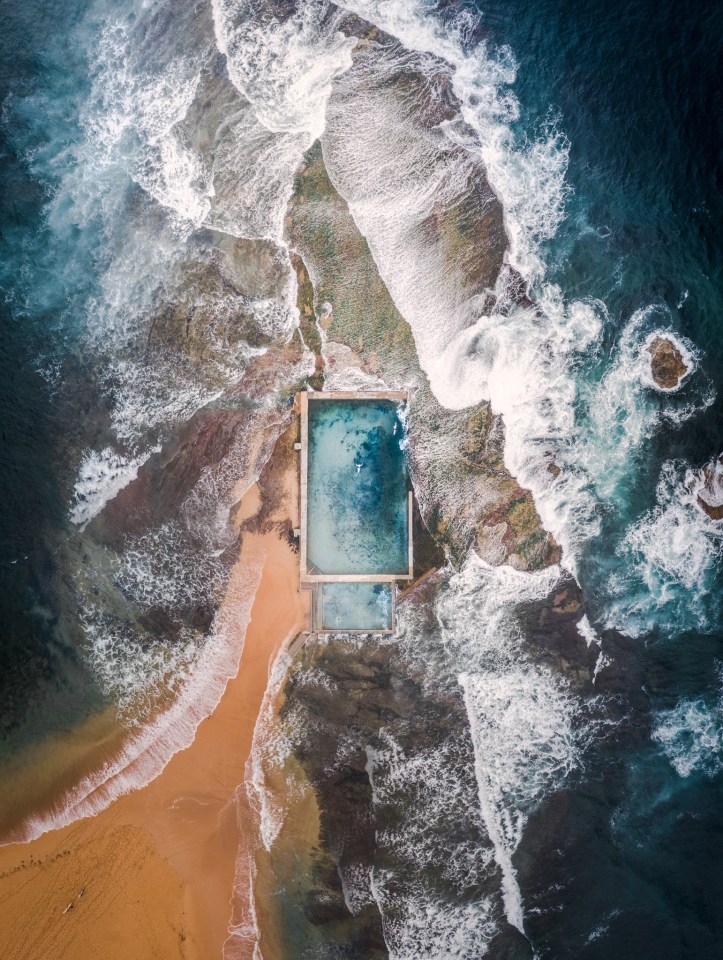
[{"x": 466, "y": 495}]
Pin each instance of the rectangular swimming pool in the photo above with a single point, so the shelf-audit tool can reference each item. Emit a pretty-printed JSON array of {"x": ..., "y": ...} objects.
[
  {"x": 356, "y": 489},
  {"x": 366, "y": 607}
]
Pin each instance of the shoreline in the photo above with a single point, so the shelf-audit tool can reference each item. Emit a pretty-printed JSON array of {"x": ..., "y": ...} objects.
[{"x": 154, "y": 874}]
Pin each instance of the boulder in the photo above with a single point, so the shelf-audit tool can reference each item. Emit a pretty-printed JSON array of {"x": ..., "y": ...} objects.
[{"x": 666, "y": 363}]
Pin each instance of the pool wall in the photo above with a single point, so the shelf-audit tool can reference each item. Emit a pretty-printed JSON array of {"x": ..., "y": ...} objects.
[{"x": 365, "y": 607}]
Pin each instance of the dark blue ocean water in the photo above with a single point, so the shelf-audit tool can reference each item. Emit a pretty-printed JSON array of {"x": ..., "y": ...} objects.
[
  {"x": 42, "y": 76},
  {"x": 635, "y": 88},
  {"x": 632, "y": 856}
]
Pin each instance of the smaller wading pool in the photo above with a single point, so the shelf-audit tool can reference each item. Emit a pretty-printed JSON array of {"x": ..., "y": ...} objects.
[{"x": 365, "y": 607}]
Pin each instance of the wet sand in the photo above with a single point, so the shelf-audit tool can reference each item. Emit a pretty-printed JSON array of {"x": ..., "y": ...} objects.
[{"x": 153, "y": 875}]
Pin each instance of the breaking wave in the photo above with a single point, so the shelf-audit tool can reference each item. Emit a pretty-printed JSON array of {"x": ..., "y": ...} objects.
[
  {"x": 673, "y": 554},
  {"x": 101, "y": 476},
  {"x": 200, "y": 680},
  {"x": 182, "y": 174},
  {"x": 524, "y": 723},
  {"x": 433, "y": 788}
]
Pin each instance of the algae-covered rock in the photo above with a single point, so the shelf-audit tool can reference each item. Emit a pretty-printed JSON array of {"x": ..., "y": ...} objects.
[
  {"x": 456, "y": 456},
  {"x": 214, "y": 314}
]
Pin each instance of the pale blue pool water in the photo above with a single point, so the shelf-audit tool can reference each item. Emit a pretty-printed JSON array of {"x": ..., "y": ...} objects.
[
  {"x": 355, "y": 606},
  {"x": 357, "y": 514}
]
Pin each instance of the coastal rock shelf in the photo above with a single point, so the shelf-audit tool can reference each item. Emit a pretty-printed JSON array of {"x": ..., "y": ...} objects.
[{"x": 356, "y": 507}]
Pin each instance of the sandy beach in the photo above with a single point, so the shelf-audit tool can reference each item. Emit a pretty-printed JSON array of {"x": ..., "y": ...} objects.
[{"x": 153, "y": 875}]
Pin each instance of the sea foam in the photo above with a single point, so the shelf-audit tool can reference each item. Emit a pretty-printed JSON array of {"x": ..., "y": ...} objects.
[
  {"x": 102, "y": 476},
  {"x": 691, "y": 734},
  {"x": 148, "y": 750},
  {"x": 528, "y": 731}
]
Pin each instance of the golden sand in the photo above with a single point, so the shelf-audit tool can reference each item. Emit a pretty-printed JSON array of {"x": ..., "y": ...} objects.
[{"x": 153, "y": 875}]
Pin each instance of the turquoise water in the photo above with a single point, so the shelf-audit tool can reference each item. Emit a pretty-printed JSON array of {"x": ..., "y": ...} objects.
[
  {"x": 355, "y": 606},
  {"x": 357, "y": 520}
]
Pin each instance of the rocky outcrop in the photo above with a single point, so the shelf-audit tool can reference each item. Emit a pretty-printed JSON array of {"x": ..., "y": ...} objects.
[
  {"x": 346, "y": 700},
  {"x": 710, "y": 496},
  {"x": 456, "y": 456},
  {"x": 667, "y": 366}
]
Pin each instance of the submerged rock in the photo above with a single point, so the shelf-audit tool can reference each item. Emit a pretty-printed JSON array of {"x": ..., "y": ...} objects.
[
  {"x": 666, "y": 363},
  {"x": 553, "y": 469}
]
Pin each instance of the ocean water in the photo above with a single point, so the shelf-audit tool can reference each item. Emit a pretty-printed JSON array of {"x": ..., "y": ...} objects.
[{"x": 148, "y": 151}]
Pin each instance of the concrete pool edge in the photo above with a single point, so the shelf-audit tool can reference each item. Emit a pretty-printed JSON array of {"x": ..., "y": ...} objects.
[
  {"x": 310, "y": 581},
  {"x": 320, "y": 609}
]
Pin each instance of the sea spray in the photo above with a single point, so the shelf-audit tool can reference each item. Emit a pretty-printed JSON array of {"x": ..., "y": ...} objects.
[
  {"x": 126, "y": 200},
  {"x": 673, "y": 553},
  {"x": 284, "y": 69},
  {"x": 526, "y": 728},
  {"x": 102, "y": 475},
  {"x": 521, "y": 358},
  {"x": 420, "y": 799},
  {"x": 525, "y": 745},
  {"x": 531, "y": 363}
]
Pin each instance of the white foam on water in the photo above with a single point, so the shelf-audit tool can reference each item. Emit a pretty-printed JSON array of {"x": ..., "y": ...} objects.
[
  {"x": 602, "y": 661},
  {"x": 396, "y": 175},
  {"x": 526, "y": 727},
  {"x": 528, "y": 177},
  {"x": 178, "y": 566},
  {"x": 691, "y": 735},
  {"x": 132, "y": 118},
  {"x": 270, "y": 748},
  {"x": 253, "y": 170},
  {"x": 101, "y": 477},
  {"x": 522, "y": 725},
  {"x": 150, "y": 398},
  {"x": 602, "y": 928},
  {"x": 526, "y": 362},
  {"x": 139, "y": 126},
  {"x": 243, "y": 928},
  {"x": 626, "y": 408},
  {"x": 356, "y": 887},
  {"x": 587, "y": 632},
  {"x": 166, "y": 567},
  {"x": 284, "y": 69},
  {"x": 134, "y": 671},
  {"x": 474, "y": 612},
  {"x": 674, "y": 552},
  {"x": 432, "y": 842}
]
